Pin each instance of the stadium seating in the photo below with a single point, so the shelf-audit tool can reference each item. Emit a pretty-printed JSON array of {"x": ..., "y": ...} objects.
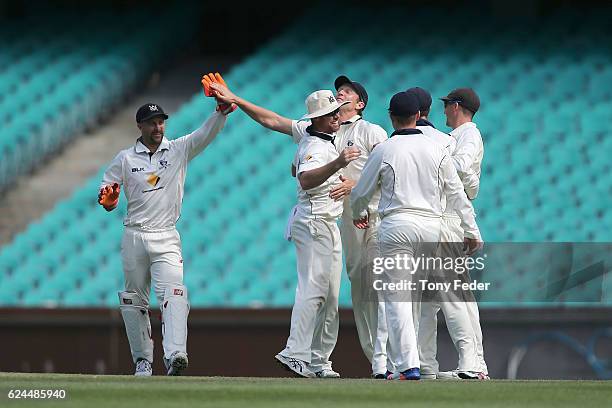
[
  {"x": 545, "y": 119},
  {"x": 54, "y": 83}
]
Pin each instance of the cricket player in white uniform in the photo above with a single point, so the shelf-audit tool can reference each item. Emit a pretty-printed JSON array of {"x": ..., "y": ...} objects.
[
  {"x": 460, "y": 106},
  {"x": 414, "y": 175},
  {"x": 359, "y": 246},
  {"x": 382, "y": 366},
  {"x": 455, "y": 308},
  {"x": 152, "y": 174},
  {"x": 313, "y": 229}
]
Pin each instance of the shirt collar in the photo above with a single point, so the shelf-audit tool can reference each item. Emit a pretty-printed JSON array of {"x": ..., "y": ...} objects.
[
  {"x": 321, "y": 135},
  {"x": 462, "y": 128},
  {"x": 406, "y": 132},
  {"x": 351, "y": 120},
  {"x": 141, "y": 148},
  {"x": 425, "y": 122}
]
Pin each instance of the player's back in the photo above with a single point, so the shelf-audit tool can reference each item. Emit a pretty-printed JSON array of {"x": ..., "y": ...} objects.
[
  {"x": 410, "y": 179},
  {"x": 443, "y": 139}
]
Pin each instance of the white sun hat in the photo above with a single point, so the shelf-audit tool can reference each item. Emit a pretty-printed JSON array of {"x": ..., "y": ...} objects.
[{"x": 320, "y": 103}]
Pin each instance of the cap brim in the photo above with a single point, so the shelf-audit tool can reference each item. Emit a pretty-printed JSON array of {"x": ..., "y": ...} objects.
[
  {"x": 445, "y": 98},
  {"x": 153, "y": 116},
  {"x": 324, "y": 111},
  {"x": 342, "y": 80}
]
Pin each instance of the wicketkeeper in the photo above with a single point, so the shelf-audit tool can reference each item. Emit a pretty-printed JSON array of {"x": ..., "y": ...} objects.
[{"x": 152, "y": 173}]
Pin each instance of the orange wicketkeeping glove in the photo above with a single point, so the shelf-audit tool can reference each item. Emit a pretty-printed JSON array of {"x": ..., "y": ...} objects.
[
  {"x": 109, "y": 196},
  {"x": 207, "y": 79}
]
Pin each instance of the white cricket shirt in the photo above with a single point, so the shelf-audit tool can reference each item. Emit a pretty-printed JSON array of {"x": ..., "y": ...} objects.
[
  {"x": 444, "y": 139},
  {"x": 153, "y": 184},
  {"x": 314, "y": 152},
  {"x": 355, "y": 132},
  {"x": 467, "y": 157},
  {"x": 414, "y": 174}
]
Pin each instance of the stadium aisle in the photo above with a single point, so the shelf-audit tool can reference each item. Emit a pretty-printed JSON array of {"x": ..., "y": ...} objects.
[{"x": 35, "y": 194}]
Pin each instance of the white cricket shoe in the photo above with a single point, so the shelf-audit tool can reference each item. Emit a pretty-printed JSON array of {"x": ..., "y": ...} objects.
[
  {"x": 327, "y": 373},
  {"x": 449, "y": 375},
  {"x": 296, "y": 366},
  {"x": 462, "y": 375},
  {"x": 429, "y": 376},
  {"x": 143, "y": 369},
  {"x": 178, "y": 363},
  {"x": 473, "y": 375}
]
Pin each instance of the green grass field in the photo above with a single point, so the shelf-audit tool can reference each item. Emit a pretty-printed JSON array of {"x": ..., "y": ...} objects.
[{"x": 126, "y": 391}]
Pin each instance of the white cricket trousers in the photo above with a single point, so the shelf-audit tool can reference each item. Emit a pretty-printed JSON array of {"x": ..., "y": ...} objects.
[
  {"x": 360, "y": 247},
  {"x": 462, "y": 317},
  {"x": 412, "y": 235},
  {"x": 152, "y": 257},
  {"x": 314, "y": 318}
]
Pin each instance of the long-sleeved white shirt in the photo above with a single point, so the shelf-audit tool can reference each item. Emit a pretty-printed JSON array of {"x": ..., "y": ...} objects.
[
  {"x": 355, "y": 132},
  {"x": 414, "y": 175},
  {"x": 467, "y": 157},
  {"x": 153, "y": 184}
]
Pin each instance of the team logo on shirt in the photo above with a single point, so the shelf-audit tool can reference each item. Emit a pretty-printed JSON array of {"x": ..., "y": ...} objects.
[
  {"x": 137, "y": 169},
  {"x": 350, "y": 143},
  {"x": 308, "y": 157},
  {"x": 153, "y": 179},
  {"x": 163, "y": 164},
  {"x": 332, "y": 99}
]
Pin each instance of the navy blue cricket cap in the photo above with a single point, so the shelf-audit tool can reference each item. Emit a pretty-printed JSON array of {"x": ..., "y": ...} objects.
[
  {"x": 404, "y": 104},
  {"x": 423, "y": 96},
  {"x": 357, "y": 87},
  {"x": 465, "y": 97},
  {"x": 148, "y": 111}
]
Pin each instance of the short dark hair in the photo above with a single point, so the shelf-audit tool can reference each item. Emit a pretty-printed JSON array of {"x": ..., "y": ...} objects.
[
  {"x": 466, "y": 111},
  {"x": 404, "y": 119}
]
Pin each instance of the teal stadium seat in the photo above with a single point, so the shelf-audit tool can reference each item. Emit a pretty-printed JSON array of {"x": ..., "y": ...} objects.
[
  {"x": 545, "y": 119},
  {"x": 70, "y": 79}
]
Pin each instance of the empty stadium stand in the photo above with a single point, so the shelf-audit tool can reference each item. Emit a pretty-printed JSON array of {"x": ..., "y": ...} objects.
[
  {"x": 59, "y": 77},
  {"x": 546, "y": 117}
]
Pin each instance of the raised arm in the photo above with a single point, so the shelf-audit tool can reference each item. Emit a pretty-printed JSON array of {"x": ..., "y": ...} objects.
[
  {"x": 196, "y": 141},
  {"x": 264, "y": 117}
]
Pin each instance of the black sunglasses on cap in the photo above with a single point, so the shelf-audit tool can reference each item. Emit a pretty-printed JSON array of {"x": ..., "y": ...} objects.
[{"x": 446, "y": 103}]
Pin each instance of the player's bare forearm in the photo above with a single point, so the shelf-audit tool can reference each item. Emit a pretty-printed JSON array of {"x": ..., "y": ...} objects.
[
  {"x": 263, "y": 116},
  {"x": 314, "y": 178}
]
